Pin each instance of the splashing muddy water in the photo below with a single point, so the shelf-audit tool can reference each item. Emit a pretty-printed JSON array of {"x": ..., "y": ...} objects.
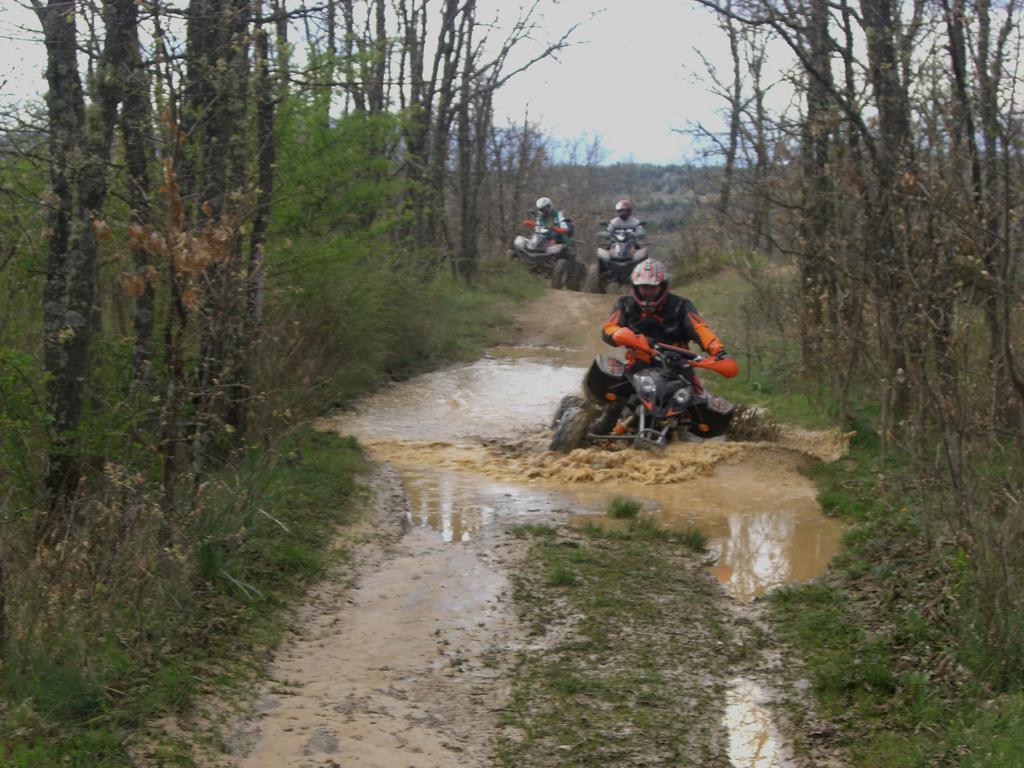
[{"x": 479, "y": 431}]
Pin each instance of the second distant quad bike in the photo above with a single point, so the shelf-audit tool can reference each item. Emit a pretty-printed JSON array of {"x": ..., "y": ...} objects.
[
  {"x": 546, "y": 256},
  {"x": 615, "y": 263}
]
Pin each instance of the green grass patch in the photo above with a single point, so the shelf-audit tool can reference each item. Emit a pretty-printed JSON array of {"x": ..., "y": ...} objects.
[
  {"x": 79, "y": 699},
  {"x": 563, "y": 576},
  {"x": 526, "y": 530},
  {"x": 647, "y": 529},
  {"x": 849, "y": 669},
  {"x": 622, "y": 509},
  {"x": 895, "y": 713},
  {"x": 887, "y": 638},
  {"x": 693, "y": 538},
  {"x": 609, "y": 687},
  {"x": 86, "y": 749}
]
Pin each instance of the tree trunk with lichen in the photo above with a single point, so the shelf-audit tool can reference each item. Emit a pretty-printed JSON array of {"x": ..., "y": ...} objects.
[
  {"x": 816, "y": 212},
  {"x": 893, "y": 173},
  {"x": 136, "y": 128},
  {"x": 217, "y": 107},
  {"x": 80, "y": 147}
]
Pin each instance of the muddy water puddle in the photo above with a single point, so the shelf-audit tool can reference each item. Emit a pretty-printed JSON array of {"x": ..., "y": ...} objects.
[
  {"x": 761, "y": 517},
  {"x": 754, "y": 741},
  {"x": 469, "y": 443},
  {"x": 460, "y": 506},
  {"x": 493, "y": 398}
]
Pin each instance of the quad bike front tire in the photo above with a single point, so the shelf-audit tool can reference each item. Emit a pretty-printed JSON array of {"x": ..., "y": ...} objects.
[
  {"x": 567, "y": 402},
  {"x": 560, "y": 274},
  {"x": 571, "y": 429},
  {"x": 579, "y": 274},
  {"x": 592, "y": 281}
]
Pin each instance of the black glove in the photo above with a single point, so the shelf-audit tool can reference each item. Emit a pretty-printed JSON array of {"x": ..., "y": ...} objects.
[{"x": 721, "y": 354}]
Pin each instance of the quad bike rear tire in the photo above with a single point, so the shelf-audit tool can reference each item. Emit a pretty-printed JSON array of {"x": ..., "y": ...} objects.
[
  {"x": 592, "y": 281},
  {"x": 560, "y": 274},
  {"x": 571, "y": 429}
]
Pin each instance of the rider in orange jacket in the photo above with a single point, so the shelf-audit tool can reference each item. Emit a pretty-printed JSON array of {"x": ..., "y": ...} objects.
[{"x": 651, "y": 314}]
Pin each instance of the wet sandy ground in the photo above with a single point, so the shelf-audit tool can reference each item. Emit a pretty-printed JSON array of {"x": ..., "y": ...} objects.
[
  {"x": 382, "y": 670},
  {"x": 400, "y": 666}
]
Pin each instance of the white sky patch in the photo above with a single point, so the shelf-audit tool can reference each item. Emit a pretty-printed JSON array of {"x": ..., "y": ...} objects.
[
  {"x": 22, "y": 55},
  {"x": 630, "y": 76}
]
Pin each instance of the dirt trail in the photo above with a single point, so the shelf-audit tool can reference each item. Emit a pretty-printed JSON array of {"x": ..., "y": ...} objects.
[
  {"x": 404, "y": 663},
  {"x": 383, "y": 670}
]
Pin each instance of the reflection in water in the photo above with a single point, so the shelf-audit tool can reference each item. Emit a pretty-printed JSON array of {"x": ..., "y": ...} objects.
[
  {"x": 764, "y": 525},
  {"x": 753, "y": 741},
  {"x": 460, "y": 505},
  {"x": 761, "y": 549},
  {"x": 443, "y": 502}
]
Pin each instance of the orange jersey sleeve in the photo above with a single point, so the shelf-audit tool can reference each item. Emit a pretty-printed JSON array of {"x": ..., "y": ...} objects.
[
  {"x": 708, "y": 339},
  {"x": 611, "y": 326}
]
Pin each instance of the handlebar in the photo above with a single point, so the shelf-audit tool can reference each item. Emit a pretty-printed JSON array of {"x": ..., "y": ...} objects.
[
  {"x": 681, "y": 351},
  {"x": 725, "y": 366}
]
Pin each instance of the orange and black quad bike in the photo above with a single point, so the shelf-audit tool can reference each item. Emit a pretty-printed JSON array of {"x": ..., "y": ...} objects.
[{"x": 663, "y": 400}]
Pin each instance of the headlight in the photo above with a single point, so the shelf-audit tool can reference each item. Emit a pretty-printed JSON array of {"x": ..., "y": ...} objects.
[
  {"x": 646, "y": 385},
  {"x": 682, "y": 396},
  {"x": 719, "y": 405}
]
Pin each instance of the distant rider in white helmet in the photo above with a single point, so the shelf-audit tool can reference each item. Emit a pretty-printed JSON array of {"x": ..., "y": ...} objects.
[{"x": 550, "y": 217}]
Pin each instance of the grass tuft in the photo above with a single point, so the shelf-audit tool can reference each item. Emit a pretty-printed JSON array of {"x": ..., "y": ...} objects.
[
  {"x": 646, "y": 529},
  {"x": 526, "y": 530},
  {"x": 693, "y": 538},
  {"x": 623, "y": 509},
  {"x": 562, "y": 576}
]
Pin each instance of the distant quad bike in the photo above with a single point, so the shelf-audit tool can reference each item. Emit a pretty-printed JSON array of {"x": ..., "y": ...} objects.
[
  {"x": 545, "y": 256},
  {"x": 664, "y": 401},
  {"x": 616, "y": 262}
]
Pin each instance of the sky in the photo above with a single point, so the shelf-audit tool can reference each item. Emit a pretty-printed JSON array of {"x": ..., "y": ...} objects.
[{"x": 630, "y": 75}]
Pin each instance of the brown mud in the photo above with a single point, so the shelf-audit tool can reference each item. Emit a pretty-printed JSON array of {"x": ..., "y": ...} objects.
[
  {"x": 384, "y": 669},
  {"x": 406, "y": 661}
]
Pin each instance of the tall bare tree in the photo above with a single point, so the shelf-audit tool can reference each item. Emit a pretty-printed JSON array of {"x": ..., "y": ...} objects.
[{"x": 81, "y": 141}]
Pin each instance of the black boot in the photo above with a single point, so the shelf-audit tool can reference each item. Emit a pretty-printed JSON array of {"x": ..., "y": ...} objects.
[{"x": 605, "y": 422}]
